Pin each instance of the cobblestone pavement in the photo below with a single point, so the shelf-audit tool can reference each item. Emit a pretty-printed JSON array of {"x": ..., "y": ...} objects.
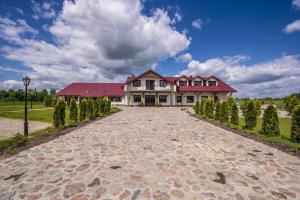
[
  {"x": 9, "y": 127},
  {"x": 150, "y": 153}
]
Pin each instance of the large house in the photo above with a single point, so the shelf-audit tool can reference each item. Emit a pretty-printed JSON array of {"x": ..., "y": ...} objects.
[{"x": 151, "y": 88}]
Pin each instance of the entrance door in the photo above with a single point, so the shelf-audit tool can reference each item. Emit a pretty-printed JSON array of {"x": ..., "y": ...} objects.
[{"x": 149, "y": 100}]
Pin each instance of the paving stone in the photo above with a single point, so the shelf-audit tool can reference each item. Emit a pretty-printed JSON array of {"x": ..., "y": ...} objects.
[{"x": 172, "y": 156}]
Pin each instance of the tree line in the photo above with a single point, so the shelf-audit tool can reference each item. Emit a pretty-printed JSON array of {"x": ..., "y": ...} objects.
[{"x": 19, "y": 95}]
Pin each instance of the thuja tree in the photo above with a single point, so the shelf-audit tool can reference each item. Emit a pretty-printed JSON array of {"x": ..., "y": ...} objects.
[
  {"x": 224, "y": 113},
  {"x": 250, "y": 116},
  {"x": 244, "y": 105},
  {"x": 82, "y": 108},
  {"x": 209, "y": 108},
  {"x": 234, "y": 114},
  {"x": 90, "y": 109},
  {"x": 197, "y": 108},
  {"x": 270, "y": 124},
  {"x": 295, "y": 127},
  {"x": 202, "y": 107},
  {"x": 218, "y": 111},
  {"x": 73, "y": 112},
  {"x": 59, "y": 114},
  {"x": 97, "y": 107},
  {"x": 230, "y": 102},
  {"x": 257, "y": 104}
]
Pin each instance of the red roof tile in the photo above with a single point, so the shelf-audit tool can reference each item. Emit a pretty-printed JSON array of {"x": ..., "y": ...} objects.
[
  {"x": 222, "y": 87},
  {"x": 93, "y": 90}
]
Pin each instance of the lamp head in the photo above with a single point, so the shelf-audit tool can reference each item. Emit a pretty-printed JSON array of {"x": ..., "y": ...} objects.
[{"x": 26, "y": 80}]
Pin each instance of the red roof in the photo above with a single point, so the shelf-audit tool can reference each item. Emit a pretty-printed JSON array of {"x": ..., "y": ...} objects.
[
  {"x": 133, "y": 78},
  {"x": 93, "y": 90},
  {"x": 222, "y": 87}
]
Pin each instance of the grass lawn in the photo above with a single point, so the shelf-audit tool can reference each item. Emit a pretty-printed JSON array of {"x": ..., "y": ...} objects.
[
  {"x": 283, "y": 138},
  {"x": 19, "y": 105}
]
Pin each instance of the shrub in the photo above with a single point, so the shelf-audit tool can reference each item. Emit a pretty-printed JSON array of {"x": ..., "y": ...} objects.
[
  {"x": 73, "y": 112},
  {"x": 270, "y": 124},
  {"x": 235, "y": 114},
  {"x": 97, "y": 107},
  {"x": 197, "y": 108},
  {"x": 59, "y": 114},
  {"x": 295, "y": 127},
  {"x": 202, "y": 107},
  {"x": 224, "y": 113},
  {"x": 141, "y": 104},
  {"x": 102, "y": 105},
  {"x": 90, "y": 109},
  {"x": 250, "y": 116},
  {"x": 47, "y": 101},
  {"x": 54, "y": 101},
  {"x": 209, "y": 108},
  {"x": 230, "y": 102},
  {"x": 82, "y": 107},
  {"x": 218, "y": 111},
  {"x": 257, "y": 105},
  {"x": 291, "y": 102},
  {"x": 244, "y": 105}
]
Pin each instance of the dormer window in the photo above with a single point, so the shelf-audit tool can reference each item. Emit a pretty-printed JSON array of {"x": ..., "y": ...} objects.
[
  {"x": 197, "y": 83},
  {"x": 136, "y": 83},
  {"x": 212, "y": 83},
  {"x": 183, "y": 83},
  {"x": 163, "y": 83}
]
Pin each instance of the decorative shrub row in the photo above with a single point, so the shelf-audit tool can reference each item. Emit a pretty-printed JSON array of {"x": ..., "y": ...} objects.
[{"x": 88, "y": 109}]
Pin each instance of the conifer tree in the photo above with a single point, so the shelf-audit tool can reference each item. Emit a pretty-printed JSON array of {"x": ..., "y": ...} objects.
[
  {"x": 202, "y": 107},
  {"x": 270, "y": 125},
  {"x": 224, "y": 113},
  {"x": 197, "y": 108},
  {"x": 235, "y": 114},
  {"x": 73, "y": 112},
  {"x": 218, "y": 111},
  {"x": 59, "y": 114},
  {"x": 82, "y": 110},
  {"x": 97, "y": 107},
  {"x": 90, "y": 109},
  {"x": 209, "y": 108},
  {"x": 295, "y": 127},
  {"x": 250, "y": 116}
]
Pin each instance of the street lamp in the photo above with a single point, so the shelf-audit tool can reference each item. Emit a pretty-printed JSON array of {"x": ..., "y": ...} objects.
[{"x": 26, "y": 81}]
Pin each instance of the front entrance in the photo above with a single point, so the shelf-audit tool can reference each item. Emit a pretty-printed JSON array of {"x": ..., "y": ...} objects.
[{"x": 149, "y": 100}]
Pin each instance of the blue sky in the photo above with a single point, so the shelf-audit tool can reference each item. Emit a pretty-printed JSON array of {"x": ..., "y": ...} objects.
[{"x": 253, "y": 45}]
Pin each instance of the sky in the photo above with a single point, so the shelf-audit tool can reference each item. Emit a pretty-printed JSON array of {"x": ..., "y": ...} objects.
[{"x": 252, "y": 45}]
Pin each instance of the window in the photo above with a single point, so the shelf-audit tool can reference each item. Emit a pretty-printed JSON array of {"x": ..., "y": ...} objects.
[
  {"x": 136, "y": 98},
  {"x": 162, "y": 83},
  {"x": 150, "y": 84},
  {"x": 197, "y": 83},
  {"x": 190, "y": 99},
  {"x": 136, "y": 83},
  {"x": 115, "y": 99},
  {"x": 162, "y": 99},
  {"x": 183, "y": 83},
  {"x": 212, "y": 83},
  {"x": 178, "y": 99}
]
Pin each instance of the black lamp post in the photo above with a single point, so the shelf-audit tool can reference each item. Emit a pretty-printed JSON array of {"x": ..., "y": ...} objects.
[{"x": 26, "y": 81}]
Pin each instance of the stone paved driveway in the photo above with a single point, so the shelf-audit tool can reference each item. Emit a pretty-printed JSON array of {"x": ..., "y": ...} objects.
[{"x": 150, "y": 153}]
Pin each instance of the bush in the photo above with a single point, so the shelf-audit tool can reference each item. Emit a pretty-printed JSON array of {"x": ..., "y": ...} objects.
[
  {"x": 97, "y": 107},
  {"x": 244, "y": 105},
  {"x": 47, "y": 101},
  {"x": 73, "y": 112},
  {"x": 82, "y": 106},
  {"x": 197, "y": 108},
  {"x": 230, "y": 102},
  {"x": 291, "y": 102},
  {"x": 53, "y": 101},
  {"x": 141, "y": 104},
  {"x": 218, "y": 111},
  {"x": 270, "y": 124},
  {"x": 90, "y": 109},
  {"x": 295, "y": 127},
  {"x": 209, "y": 108},
  {"x": 235, "y": 114},
  {"x": 202, "y": 108},
  {"x": 257, "y": 105},
  {"x": 59, "y": 114},
  {"x": 250, "y": 116},
  {"x": 224, "y": 113}
]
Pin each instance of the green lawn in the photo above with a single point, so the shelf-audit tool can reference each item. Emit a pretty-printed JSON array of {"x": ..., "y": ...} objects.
[
  {"x": 19, "y": 105},
  {"x": 285, "y": 132},
  {"x": 33, "y": 115}
]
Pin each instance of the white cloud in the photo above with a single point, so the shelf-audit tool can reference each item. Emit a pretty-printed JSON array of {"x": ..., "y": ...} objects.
[
  {"x": 292, "y": 27},
  {"x": 9, "y": 69},
  {"x": 296, "y": 4},
  {"x": 277, "y": 78},
  {"x": 197, "y": 24},
  {"x": 97, "y": 41},
  {"x": 184, "y": 57},
  {"x": 43, "y": 10},
  {"x": 19, "y": 11},
  {"x": 12, "y": 84}
]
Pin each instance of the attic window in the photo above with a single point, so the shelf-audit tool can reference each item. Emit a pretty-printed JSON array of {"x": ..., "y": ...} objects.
[
  {"x": 212, "y": 83},
  {"x": 197, "y": 83}
]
